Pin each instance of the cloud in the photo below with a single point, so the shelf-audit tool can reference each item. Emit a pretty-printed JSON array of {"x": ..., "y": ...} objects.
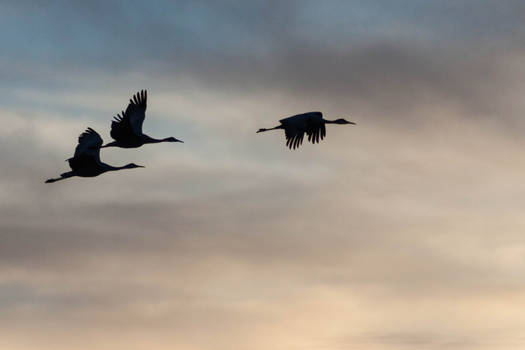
[{"x": 232, "y": 241}]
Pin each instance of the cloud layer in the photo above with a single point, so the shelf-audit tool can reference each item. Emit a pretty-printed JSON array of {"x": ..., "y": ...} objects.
[{"x": 403, "y": 232}]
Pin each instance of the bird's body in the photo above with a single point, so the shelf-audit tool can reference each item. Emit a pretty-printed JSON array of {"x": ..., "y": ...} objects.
[
  {"x": 311, "y": 123},
  {"x": 86, "y": 160},
  {"x": 126, "y": 128}
]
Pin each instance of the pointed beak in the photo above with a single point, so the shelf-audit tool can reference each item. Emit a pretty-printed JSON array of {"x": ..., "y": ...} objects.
[
  {"x": 179, "y": 141},
  {"x": 140, "y": 166},
  {"x": 351, "y": 123}
]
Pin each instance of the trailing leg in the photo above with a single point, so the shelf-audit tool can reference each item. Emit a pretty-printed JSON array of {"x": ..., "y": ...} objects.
[
  {"x": 263, "y": 130},
  {"x": 62, "y": 177}
]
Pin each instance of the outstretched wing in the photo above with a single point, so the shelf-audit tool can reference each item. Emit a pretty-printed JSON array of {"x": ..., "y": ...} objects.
[
  {"x": 297, "y": 125},
  {"x": 89, "y": 143},
  {"x": 129, "y": 123}
]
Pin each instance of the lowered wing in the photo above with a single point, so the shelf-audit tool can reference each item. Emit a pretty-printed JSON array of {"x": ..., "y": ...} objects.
[
  {"x": 294, "y": 133},
  {"x": 296, "y": 126},
  {"x": 315, "y": 129}
]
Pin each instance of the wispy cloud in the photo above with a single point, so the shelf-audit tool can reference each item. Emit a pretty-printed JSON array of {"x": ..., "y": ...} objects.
[{"x": 402, "y": 232}]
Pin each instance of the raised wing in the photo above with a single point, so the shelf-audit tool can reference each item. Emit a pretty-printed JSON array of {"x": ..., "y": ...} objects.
[
  {"x": 296, "y": 126},
  {"x": 129, "y": 123},
  {"x": 89, "y": 143}
]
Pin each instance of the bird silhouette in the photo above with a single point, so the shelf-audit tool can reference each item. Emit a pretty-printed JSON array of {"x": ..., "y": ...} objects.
[
  {"x": 86, "y": 161},
  {"x": 311, "y": 123},
  {"x": 126, "y": 128}
]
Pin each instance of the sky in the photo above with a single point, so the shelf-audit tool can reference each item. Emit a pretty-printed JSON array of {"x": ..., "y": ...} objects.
[{"x": 402, "y": 232}]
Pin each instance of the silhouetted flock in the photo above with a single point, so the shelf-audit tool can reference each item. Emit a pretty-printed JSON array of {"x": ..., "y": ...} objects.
[{"x": 126, "y": 131}]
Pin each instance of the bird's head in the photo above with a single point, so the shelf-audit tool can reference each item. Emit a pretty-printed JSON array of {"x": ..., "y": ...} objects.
[
  {"x": 343, "y": 121},
  {"x": 132, "y": 166},
  {"x": 172, "y": 139}
]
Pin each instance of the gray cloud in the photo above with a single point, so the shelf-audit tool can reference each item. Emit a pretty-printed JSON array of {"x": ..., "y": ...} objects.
[{"x": 413, "y": 217}]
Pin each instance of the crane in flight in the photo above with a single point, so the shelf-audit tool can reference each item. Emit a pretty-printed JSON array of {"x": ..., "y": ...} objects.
[
  {"x": 126, "y": 128},
  {"x": 86, "y": 161},
  {"x": 311, "y": 123}
]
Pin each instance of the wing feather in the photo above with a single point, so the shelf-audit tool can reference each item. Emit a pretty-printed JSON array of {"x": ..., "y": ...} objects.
[
  {"x": 311, "y": 124},
  {"x": 89, "y": 143},
  {"x": 315, "y": 127},
  {"x": 87, "y": 153},
  {"x": 294, "y": 129},
  {"x": 128, "y": 124}
]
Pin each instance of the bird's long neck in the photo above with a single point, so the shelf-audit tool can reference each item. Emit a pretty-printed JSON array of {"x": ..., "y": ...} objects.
[
  {"x": 106, "y": 167},
  {"x": 148, "y": 139},
  {"x": 329, "y": 121}
]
